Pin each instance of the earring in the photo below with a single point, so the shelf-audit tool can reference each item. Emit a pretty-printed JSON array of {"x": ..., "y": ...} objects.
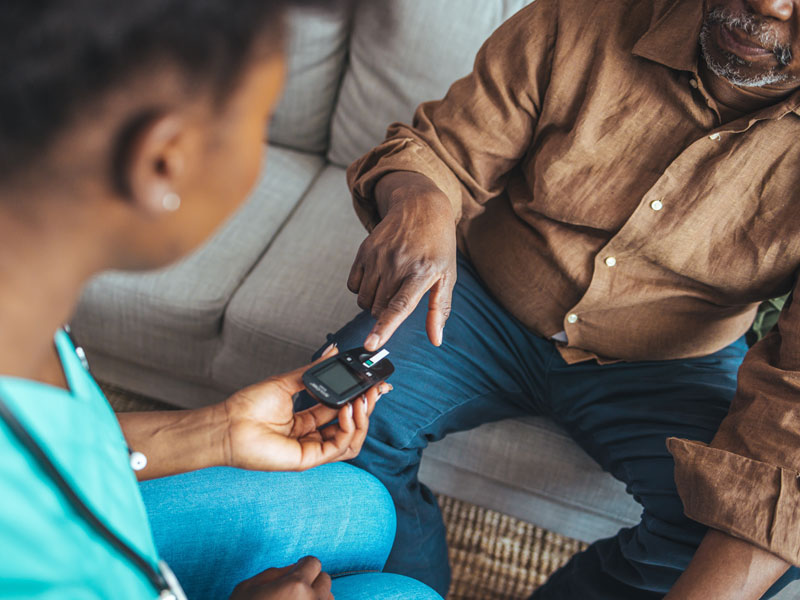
[{"x": 171, "y": 202}]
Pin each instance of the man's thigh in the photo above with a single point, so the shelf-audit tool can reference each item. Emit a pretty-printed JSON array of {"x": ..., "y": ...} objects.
[
  {"x": 488, "y": 368},
  {"x": 622, "y": 415}
]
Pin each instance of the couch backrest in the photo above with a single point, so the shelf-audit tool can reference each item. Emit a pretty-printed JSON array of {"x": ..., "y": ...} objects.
[
  {"x": 403, "y": 52},
  {"x": 317, "y": 56}
]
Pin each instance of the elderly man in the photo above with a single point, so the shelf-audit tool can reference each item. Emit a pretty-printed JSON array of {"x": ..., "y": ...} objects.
[{"x": 614, "y": 188}]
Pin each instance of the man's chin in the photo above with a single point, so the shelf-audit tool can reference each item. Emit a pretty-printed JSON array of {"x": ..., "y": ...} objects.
[{"x": 736, "y": 70}]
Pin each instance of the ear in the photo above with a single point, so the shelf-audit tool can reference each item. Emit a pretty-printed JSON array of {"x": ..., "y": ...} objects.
[{"x": 152, "y": 163}]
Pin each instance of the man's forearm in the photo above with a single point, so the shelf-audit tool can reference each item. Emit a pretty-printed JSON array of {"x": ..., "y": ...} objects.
[
  {"x": 725, "y": 567},
  {"x": 176, "y": 441}
]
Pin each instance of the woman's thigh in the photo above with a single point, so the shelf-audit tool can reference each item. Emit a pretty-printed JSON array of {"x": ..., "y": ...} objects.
[
  {"x": 381, "y": 586},
  {"x": 216, "y": 527}
]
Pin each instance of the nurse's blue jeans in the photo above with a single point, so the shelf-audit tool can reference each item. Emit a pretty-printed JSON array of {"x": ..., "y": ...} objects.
[
  {"x": 217, "y": 527},
  {"x": 490, "y": 367}
]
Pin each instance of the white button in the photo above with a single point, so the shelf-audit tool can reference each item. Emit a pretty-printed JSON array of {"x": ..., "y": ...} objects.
[
  {"x": 138, "y": 461},
  {"x": 611, "y": 261},
  {"x": 82, "y": 356},
  {"x": 693, "y": 82},
  {"x": 656, "y": 205},
  {"x": 714, "y": 136},
  {"x": 572, "y": 318}
]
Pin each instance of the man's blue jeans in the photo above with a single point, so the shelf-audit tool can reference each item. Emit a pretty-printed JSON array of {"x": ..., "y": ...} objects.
[
  {"x": 217, "y": 527},
  {"x": 491, "y": 367}
]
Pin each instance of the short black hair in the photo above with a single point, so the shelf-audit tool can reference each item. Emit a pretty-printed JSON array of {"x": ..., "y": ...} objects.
[{"x": 59, "y": 55}]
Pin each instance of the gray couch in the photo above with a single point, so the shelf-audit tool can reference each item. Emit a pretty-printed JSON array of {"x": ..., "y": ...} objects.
[{"x": 259, "y": 298}]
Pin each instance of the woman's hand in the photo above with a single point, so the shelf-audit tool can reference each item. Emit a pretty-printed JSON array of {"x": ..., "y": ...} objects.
[
  {"x": 264, "y": 433},
  {"x": 302, "y": 581}
]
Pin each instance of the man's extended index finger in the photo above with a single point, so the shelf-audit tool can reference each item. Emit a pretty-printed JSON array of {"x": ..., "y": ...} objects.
[{"x": 397, "y": 310}]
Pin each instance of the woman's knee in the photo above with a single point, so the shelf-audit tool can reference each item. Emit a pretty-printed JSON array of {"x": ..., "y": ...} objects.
[
  {"x": 354, "y": 518},
  {"x": 337, "y": 512},
  {"x": 374, "y": 520}
]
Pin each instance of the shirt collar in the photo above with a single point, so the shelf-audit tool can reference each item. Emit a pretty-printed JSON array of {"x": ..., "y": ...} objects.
[{"x": 673, "y": 41}]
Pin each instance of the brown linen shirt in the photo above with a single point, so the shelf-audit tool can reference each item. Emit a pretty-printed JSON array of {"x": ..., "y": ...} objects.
[{"x": 599, "y": 193}]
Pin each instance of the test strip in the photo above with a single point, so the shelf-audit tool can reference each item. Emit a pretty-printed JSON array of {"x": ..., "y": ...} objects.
[{"x": 376, "y": 358}]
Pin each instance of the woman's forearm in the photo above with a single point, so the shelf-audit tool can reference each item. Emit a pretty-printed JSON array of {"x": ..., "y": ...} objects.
[
  {"x": 176, "y": 441},
  {"x": 730, "y": 568}
]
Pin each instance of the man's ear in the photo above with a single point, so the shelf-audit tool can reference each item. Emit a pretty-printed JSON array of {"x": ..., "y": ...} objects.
[{"x": 151, "y": 162}]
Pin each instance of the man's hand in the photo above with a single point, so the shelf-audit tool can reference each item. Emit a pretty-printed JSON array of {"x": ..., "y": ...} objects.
[
  {"x": 264, "y": 433},
  {"x": 302, "y": 581},
  {"x": 412, "y": 250}
]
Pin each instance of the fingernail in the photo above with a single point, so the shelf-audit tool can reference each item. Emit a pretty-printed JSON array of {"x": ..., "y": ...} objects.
[
  {"x": 372, "y": 341},
  {"x": 364, "y": 402},
  {"x": 350, "y": 410},
  {"x": 329, "y": 348}
]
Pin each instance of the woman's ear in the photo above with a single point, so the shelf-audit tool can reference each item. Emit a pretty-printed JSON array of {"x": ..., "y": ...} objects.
[{"x": 152, "y": 163}]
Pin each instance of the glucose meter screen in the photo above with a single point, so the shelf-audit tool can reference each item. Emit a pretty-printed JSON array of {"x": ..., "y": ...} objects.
[{"x": 338, "y": 378}]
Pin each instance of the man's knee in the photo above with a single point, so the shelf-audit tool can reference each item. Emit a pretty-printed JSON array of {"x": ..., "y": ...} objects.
[{"x": 663, "y": 517}]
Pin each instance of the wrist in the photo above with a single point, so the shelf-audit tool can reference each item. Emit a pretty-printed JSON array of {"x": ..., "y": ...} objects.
[
  {"x": 198, "y": 438},
  {"x": 398, "y": 189},
  {"x": 217, "y": 424},
  {"x": 177, "y": 441}
]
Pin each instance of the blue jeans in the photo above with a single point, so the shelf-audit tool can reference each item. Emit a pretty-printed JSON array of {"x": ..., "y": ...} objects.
[
  {"x": 491, "y": 367},
  {"x": 217, "y": 527}
]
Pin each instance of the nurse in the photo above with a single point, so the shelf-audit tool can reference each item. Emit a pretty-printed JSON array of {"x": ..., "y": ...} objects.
[{"x": 128, "y": 132}]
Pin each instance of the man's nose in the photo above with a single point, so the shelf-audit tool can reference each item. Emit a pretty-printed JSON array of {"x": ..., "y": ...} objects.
[{"x": 776, "y": 9}]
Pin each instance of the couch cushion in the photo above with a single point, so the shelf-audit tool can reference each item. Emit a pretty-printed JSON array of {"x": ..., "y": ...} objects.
[
  {"x": 317, "y": 55},
  {"x": 531, "y": 469},
  {"x": 297, "y": 293},
  {"x": 170, "y": 319},
  {"x": 404, "y": 52}
]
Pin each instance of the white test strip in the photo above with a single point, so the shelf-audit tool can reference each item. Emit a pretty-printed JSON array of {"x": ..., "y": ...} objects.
[{"x": 376, "y": 358}]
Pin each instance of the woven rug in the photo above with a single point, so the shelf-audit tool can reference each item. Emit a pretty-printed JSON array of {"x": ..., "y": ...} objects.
[{"x": 493, "y": 556}]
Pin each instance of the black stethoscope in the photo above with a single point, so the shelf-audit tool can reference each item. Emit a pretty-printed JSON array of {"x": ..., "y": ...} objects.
[{"x": 162, "y": 579}]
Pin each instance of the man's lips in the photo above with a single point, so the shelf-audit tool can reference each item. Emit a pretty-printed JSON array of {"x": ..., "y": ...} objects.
[{"x": 737, "y": 42}]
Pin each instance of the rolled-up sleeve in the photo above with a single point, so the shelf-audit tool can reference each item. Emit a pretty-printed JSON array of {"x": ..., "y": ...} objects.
[
  {"x": 467, "y": 142},
  {"x": 745, "y": 482}
]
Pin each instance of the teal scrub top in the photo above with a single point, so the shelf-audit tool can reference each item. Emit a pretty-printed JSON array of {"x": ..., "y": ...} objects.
[{"x": 46, "y": 549}]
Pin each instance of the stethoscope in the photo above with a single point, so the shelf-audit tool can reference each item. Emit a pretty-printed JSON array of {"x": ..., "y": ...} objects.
[{"x": 162, "y": 578}]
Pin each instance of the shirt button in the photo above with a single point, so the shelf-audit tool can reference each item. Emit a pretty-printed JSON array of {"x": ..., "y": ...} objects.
[
  {"x": 714, "y": 136},
  {"x": 693, "y": 82},
  {"x": 572, "y": 318},
  {"x": 611, "y": 261},
  {"x": 656, "y": 205}
]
